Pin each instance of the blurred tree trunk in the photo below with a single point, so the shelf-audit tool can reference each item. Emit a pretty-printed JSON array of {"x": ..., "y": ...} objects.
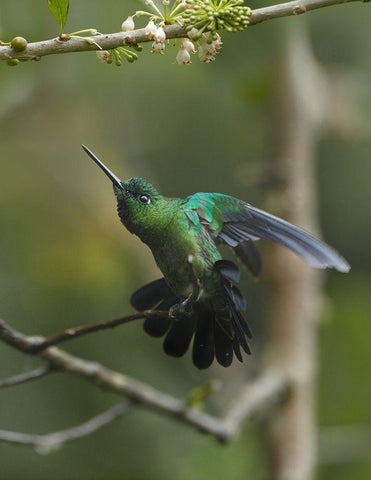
[{"x": 294, "y": 289}]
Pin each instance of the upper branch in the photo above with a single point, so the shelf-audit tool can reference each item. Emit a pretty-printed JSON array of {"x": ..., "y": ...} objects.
[{"x": 113, "y": 40}]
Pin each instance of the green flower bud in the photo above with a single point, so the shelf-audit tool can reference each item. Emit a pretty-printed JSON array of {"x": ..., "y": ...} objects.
[
  {"x": 12, "y": 62},
  {"x": 18, "y": 44}
]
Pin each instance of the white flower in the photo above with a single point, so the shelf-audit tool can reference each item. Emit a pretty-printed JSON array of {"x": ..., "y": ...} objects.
[
  {"x": 207, "y": 50},
  {"x": 158, "y": 47},
  {"x": 103, "y": 55},
  {"x": 183, "y": 57},
  {"x": 218, "y": 42},
  {"x": 150, "y": 29},
  {"x": 188, "y": 45},
  {"x": 128, "y": 25},
  {"x": 205, "y": 55},
  {"x": 159, "y": 35}
]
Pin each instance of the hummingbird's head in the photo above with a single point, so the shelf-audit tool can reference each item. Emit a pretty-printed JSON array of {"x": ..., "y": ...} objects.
[{"x": 140, "y": 207}]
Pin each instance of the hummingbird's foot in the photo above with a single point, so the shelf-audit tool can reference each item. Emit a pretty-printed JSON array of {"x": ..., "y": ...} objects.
[
  {"x": 182, "y": 309},
  {"x": 200, "y": 293}
]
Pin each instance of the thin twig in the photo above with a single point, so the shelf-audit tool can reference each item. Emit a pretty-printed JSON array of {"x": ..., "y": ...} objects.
[
  {"x": 53, "y": 441},
  {"x": 27, "y": 376},
  {"x": 36, "y": 344},
  {"x": 54, "y": 46},
  {"x": 75, "y": 332}
]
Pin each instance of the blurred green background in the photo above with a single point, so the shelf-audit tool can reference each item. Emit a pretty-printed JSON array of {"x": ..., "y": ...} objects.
[{"x": 66, "y": 260}]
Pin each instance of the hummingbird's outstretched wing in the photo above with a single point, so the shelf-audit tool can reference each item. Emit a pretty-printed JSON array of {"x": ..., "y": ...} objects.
[{"x": 238, "y": 224}]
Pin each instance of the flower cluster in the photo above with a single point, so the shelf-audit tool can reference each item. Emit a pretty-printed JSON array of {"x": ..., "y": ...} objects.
[
  {"x": 202, "y": 19},
  {"x": 209, "y": 46},
  {"x": 212, "y": 15}
]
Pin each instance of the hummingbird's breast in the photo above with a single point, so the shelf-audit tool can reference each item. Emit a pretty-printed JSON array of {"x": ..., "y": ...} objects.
[
  {"x": 183, "y": 255},
  {"x": 179, "y": 258}
]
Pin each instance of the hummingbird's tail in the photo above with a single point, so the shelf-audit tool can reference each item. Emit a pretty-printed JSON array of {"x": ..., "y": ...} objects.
[{"x": 218, "y": 326}]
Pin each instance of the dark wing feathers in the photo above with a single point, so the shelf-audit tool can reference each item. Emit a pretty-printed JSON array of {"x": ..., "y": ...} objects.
[
  {"x": 250, "y": 223},
  {"x": 247, "y": 252},
  {"x": 228, "y": 270},
  {"x": 235, "y": 302}
]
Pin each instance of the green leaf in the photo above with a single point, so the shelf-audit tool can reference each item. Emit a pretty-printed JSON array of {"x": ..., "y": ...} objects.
[{"x": 59, "y": 9}]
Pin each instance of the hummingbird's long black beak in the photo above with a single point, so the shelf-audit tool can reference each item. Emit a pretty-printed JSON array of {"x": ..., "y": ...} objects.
[{"x": 115, "y": 180}]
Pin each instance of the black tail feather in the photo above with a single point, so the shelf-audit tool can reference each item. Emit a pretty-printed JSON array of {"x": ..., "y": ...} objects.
[
  {"x": 237, "y": 350},
  {"x": 218, "y": 326},
  {"x": 150, "y": 295},
  {"x": 223, "y": 346},
  {"x": 180, "y": 335},
  {"x": 203, "y": 343},
  {"x": 157, "y": 327}
]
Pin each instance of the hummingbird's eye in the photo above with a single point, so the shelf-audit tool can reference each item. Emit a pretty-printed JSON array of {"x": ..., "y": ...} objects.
[{"x": 145, "y": 199}]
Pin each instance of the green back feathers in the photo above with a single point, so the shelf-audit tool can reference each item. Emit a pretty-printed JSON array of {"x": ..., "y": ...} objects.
[{"x": 209, "y": 208}]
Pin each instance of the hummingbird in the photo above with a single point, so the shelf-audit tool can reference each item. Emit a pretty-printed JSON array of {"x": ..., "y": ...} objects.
[{"x": 199, "y": 288}]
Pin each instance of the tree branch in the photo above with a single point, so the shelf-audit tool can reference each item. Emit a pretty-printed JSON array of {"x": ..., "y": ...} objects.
[
  {"x": 36, "y": 344},
  {"x": 54, "y": 46},
  {"x": 270, "y": 385},
  {"x": 26, "y": 377},
  {"x": 52, "y": 441}
]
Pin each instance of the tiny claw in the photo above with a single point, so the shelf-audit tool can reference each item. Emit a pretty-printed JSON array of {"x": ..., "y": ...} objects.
[
  {"x": 181, "y": 309},
  {"x": 173, "y": 311}
]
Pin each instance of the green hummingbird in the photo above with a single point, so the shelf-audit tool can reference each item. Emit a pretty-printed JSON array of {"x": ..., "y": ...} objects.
[{"x": 199, "y": 289}]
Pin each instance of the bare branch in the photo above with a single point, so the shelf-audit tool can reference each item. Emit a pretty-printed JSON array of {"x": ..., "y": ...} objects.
[
  {"x": 56, "y": 46},
  {"x": 75, "y": 332},
  {"x": 53, "y": 441},
  {"x": 26, "y": 377},
  {"x": 269, "y": 385},
  {"x": 258, "y": 395},
  {"x": 35, "y": 345}
]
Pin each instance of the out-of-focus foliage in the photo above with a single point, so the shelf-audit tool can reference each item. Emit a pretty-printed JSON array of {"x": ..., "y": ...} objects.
[{"x": 66, "y": 260}]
